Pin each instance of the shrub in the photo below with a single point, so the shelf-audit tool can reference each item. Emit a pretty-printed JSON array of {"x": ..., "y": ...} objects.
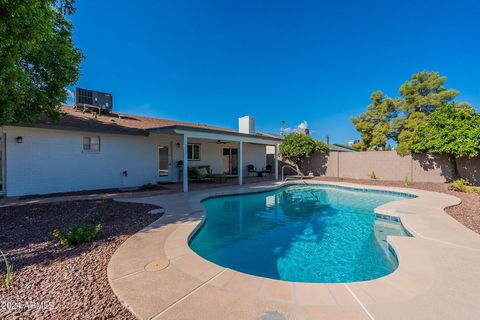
[
  {"x": 7, "y": 280},
  {"x": 462, "y": 185},
  {"x": 406, "y": 183},
  {"x": 147, "y": 187},
  {"x": 372, "y": 175},
  {"x": 78, "y": 234}
]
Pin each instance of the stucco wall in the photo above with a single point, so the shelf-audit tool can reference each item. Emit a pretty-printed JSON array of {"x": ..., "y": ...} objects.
[
  {"x": 388, "y": 165},
  {"x": 50, "y": 161},
  {"x": 54, "y": 161}
]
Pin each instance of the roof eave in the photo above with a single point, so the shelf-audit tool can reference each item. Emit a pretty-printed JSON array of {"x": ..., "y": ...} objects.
[{"x": 175, "y": 128}]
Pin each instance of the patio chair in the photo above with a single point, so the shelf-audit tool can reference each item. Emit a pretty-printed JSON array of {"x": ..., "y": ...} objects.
[
  {"x": 268, "y": 169},
  {"x": 251, "y": 169}
]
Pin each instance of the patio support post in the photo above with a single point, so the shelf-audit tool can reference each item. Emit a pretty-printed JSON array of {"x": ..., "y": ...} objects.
[
  {"x": 275, "y": 158},
  {"x": 185, "y": 163},
  {"x": 240, "y": 162}
]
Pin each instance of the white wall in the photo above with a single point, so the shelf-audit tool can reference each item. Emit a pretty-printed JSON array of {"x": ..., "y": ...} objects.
[
  {"x": 50, "y": 161},
  {"x": 254, "y": 154}
]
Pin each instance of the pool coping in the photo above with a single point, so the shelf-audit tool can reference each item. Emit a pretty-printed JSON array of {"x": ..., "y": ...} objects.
[{"x": 418, "y": 271}]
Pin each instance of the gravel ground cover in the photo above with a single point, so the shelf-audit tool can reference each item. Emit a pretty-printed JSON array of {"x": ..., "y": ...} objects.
[
  {"x": 53, "y": 282},
  {"x": 467, "y": 213}
]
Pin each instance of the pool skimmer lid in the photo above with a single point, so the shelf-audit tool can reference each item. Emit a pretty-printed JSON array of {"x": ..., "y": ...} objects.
[{"x": 157, "y": 265}]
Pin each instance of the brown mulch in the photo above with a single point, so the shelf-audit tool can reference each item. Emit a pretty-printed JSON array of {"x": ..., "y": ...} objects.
[
  {"x": 467, "y": 213},
  {"x": 53, "y": 282}
]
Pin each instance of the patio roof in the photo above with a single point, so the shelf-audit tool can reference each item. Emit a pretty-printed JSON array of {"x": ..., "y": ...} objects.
[{"x": 211, "y": 133}]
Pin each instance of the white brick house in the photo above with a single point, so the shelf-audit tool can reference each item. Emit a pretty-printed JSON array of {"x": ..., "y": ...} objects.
[{"x": 85, "y": 152}]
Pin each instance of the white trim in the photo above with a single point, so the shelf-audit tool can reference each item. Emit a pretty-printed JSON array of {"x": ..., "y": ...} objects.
[
  {"x": 216, "y": 136},
  {"x": 275, "y": 160},
  {"x": 240, "y": 163},
  {"x": 185, "y": 163}
]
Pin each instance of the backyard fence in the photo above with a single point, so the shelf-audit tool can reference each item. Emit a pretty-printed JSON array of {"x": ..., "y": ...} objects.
[{"x": 388, "y": 165}]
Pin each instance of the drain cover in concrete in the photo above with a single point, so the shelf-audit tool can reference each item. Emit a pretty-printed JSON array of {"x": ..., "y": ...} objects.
[
  {"x": 272, "y": 315},
  {"x": 157, "y": 265}
]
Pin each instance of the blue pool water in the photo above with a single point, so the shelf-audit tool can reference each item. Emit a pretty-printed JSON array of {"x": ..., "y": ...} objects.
[{"x": 300, "y": 233}]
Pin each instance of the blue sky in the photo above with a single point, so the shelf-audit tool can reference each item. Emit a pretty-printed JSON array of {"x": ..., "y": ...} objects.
[{"x": 213, "y": 61}]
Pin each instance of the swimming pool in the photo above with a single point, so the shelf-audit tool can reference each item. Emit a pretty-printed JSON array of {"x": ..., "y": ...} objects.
[{"x": 301, "y": 233}]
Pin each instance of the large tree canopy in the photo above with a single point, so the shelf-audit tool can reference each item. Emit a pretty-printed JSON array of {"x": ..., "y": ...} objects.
[
  {"x": 399, "y": 118},
  {"x": 452, "y": 129},
  {"x": 37, "y": 58},
  {"x": 374, "y": 124},
  {"x": 420, "y": 96},
  {"x": 298, "y": 146}
]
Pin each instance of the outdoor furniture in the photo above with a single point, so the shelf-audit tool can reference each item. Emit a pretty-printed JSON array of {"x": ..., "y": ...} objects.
[
  {"x": 204, "y": 173},
  {"x": 268, "y": 168},
  {"x": 251, "y": 169}
]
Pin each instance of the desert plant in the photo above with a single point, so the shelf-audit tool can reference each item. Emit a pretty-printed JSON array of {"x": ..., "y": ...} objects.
[
  {"x": 77, "y": 234},
  {"x": 462, "y": 185},
  {"x": 406, "y": 183},
  {"x": 147, "y": 187},
  {"x": 372, "y": 175},
  {"x": 7, "y": 280}
]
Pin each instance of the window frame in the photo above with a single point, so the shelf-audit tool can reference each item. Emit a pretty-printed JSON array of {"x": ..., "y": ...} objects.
[
  {"x": 90, "y": 150},
  {"x": 190, "y": 151}
]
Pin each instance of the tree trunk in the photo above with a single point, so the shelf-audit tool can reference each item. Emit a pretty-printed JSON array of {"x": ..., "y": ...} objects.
[
  {"x": 299, "y": 171},
  {"x": 453, "y": 161}
]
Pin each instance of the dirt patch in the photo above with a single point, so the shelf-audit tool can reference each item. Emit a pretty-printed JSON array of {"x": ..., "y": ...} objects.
[
  {"x": 467, "y": 213},
  {"x": 59, "y": 283}
]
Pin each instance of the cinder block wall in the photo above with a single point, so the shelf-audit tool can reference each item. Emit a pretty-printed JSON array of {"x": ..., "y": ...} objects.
[{"x": 388, "y": 165}]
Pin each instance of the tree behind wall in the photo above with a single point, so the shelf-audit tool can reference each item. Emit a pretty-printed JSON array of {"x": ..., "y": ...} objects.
[
  {"x": 453, "y": 129},
  {"x": 298, "y": 146},
  {"x": 398, "y": 118},
  {"x": 424, "y": 93},
  {"x": 374, "y": 124},
  {"x": 37, "y": 58}
]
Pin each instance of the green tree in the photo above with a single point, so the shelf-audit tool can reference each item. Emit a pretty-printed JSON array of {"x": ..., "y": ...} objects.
[
  {"x": 375, "y": 124},
  {"x": 421, "y": 95},
  {"x": 452, "y": 129},
  {"x": 37, "y": 58},
  {"x": 298, "y": 146}
]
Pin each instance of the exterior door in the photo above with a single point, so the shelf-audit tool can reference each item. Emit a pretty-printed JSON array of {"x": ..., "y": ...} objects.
[
  {"x": 164, "y": 163},
  {"x": 230, "y": 161}
]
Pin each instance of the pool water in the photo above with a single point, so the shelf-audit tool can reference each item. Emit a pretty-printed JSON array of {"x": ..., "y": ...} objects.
[{"x": 302, "y": 233}]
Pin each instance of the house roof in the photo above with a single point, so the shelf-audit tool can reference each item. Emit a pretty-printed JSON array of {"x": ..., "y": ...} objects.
[
  {"x": 341, "y": 148},
  {"x": 120, "y": 123}
]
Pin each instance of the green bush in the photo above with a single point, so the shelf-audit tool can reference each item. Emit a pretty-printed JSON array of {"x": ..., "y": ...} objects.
[
  {"x": 78, "y": 234},
  {"x": 462, "y": 185},
  {"x": 7, "y": 280}
]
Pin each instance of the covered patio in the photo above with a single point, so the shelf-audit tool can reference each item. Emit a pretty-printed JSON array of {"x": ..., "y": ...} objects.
[{"x": 246, "y": 149}]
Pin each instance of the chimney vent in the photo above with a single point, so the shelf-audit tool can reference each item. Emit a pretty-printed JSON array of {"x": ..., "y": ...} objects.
[{"x": 246, "y": 125}]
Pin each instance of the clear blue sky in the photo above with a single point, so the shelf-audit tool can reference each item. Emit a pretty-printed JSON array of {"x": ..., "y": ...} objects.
[{"x": 213, "y": 61}]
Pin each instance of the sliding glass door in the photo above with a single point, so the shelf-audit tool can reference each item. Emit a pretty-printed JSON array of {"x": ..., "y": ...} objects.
[{"x": 230, "y": 161}]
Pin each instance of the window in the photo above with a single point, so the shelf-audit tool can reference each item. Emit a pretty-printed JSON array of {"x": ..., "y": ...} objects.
[
  {"x": 193, "y": 152},
  {"x": 91, "y": 144}
]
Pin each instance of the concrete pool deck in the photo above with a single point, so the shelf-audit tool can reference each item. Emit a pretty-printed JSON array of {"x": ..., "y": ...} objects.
[{"x": 438, "y": 275}]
